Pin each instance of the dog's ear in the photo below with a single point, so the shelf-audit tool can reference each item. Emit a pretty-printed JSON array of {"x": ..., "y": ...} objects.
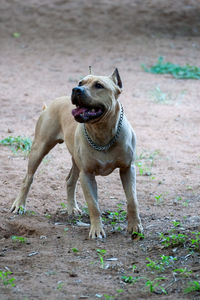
[{"x": 116, "y": 78}]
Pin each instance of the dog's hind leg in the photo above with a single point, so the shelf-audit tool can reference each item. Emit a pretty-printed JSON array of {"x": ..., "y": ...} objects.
[
  {"x": 38, "y": 151},
  {"x": 45, "y": 139},
  {"x": 71, "y": 180}
]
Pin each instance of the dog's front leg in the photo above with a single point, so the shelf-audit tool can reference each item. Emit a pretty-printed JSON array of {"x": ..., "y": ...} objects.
[
  {"x": 128, "y": 178},
  {"x": 71, "y": 180},
  {"x": 89, "y": 187}
]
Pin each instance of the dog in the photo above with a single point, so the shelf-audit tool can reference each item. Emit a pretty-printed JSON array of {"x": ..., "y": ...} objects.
[{"x": 99, "y": 138}]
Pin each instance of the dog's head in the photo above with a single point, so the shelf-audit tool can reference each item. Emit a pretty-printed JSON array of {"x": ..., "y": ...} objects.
[{"x": 95, "y": 96}]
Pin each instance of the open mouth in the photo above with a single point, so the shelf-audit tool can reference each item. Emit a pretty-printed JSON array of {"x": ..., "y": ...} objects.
[{"x": 83, "y": 114}]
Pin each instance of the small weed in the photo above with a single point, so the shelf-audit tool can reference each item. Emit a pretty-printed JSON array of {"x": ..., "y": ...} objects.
[
  {"x": 192, "y": 287},
  {"x": 16, "y": 35},
  {"x": 63, "y": 205},
  {"x": 129, "y": 279},
  {"x": 159, "y": 199},
  {"x": 21, "y": 210},
  {"x": 85, "y": 210},
  {"x": 139, "y": 235},
  {"x": 116, "y": 217},
  {"x": 48, "y": 216},
  {"x": 60, "y": 285},
  {"x": 18, "y": 143},
  {"x": 154, "y": 285},
  {"x": 75, "y": 250},
  {"x": 101, "y": 253},
  {"x": 120, "y": 291},
  {"x": 183, "y": 272},
  {"x": 145, "y": 162},
  {"x": 167, "y": 260},
  {"x": 4, "y": 276},
  {"x": 179, "y": 198},
  {"x": 19, "y": 239},
  {"x": 159, "y": 96},
  {"x": 176, "y": 223},
  {"x": 195, "y": 241},
  {"x": 179, "y": 72},
  {"x": 173, "y": 239},
  {"x": 108, "y": 297},
  {"x": 160, "y": 266},
  {"x": 154, "y": 265},
  {"x": 186, "y": 203},
  {"x": 189, "y": 188},
  {"x": 31, "y": 212}
]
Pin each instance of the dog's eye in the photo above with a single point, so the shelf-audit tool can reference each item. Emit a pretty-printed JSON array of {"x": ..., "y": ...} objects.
[
  {"x": 80, "y": 83},
  {"x": 99, "y": 85}
]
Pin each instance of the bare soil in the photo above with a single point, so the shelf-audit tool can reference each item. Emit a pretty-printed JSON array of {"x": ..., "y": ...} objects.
[{"x": 58, "y": 41}]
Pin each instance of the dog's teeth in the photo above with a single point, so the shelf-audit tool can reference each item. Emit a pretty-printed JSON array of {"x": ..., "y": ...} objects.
[{"x": 93, "y": 110}]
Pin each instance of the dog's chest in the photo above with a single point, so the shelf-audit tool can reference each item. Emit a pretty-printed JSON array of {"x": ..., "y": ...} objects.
[{"x": 104, "y": 168}]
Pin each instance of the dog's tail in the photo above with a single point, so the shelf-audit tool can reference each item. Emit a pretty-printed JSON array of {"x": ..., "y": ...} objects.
[{"x": 44, "y": 107}]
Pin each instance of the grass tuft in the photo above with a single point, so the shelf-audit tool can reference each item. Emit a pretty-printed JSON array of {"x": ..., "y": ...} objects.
[
  {"x": 177, "y": 71},
  {"x": 18, "y": 143}
]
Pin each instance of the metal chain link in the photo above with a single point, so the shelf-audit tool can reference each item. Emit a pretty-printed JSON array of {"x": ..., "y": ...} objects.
[{"x": 112, "y": 141}]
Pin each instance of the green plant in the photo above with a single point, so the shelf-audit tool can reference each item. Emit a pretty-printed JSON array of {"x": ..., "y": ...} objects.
[
  {"x": 182, "y": 271},
  {"x": 48, "y": 216},
  {"x": 85, "y": 210},
  {"x": 165, "y": 261},
  {"x": 173, "y": 239},
  {"x": 108, "y": 297},
  {"x": 21, "y": 210},
  {"x": 101, "y": 253},
  {"x": 129, "y": 279},
  {"x": 60, "y": 285},
  {"x": 17, "y": 143},
  {"x": 176, "y": 223},
  {"x": 179, "y": 72},
  {"x": 186, "y": 203},
  {"x": 4, "y": 276},
  {"x": 16, "y": 34},
  {"x": 159, "y": 199},
  {"x": 159, "y": 96},
  {"x": 75, "y": 250},
  {"x": 115, "y": 217},
  {"x": 120, "y": 291},
  {"x": 138, "y": 235},
  {"x": 63, "y": 205},
  {"x": 154, "y": 285},
  {"x": 20, "y": 239},
  {"x": 145, "y": 162},
  {"x": 195, "y": 241},
  {"x": 192, "y": 287},
  {"x": 30, "y": 212}
]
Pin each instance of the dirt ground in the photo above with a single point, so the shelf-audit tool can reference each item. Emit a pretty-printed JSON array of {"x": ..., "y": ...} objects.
[{"x": 58, "y": 40}]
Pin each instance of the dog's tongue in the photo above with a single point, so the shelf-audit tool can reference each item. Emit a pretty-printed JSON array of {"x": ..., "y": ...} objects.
[
  {"x": 79, "y": 110},
  {"x": 86, "y": 113}
]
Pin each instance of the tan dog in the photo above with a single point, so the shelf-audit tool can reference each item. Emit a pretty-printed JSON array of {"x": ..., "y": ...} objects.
[{"x": 100, "y": 141}]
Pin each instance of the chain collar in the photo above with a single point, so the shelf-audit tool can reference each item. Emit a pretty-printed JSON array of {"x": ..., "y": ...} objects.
[{"x": 112, "y": 141}]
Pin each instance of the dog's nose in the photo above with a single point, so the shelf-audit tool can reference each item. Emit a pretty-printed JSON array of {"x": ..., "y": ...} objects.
[{"x": 78, "y": 90}]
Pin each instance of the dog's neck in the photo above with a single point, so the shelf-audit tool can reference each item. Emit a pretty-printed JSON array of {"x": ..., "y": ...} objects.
[{"x": 101, "y": 133}]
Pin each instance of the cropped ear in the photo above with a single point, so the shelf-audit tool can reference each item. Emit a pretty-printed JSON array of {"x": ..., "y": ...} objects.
[{"x": 116, "y": 78}]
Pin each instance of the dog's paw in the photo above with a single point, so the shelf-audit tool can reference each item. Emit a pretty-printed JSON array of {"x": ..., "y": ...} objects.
[
  {"x": 17, "y": 208},
  {"x": 136, "y": 230},
  {"x": 74, "y": 211},
  {"x": 96, "y": 231}
]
